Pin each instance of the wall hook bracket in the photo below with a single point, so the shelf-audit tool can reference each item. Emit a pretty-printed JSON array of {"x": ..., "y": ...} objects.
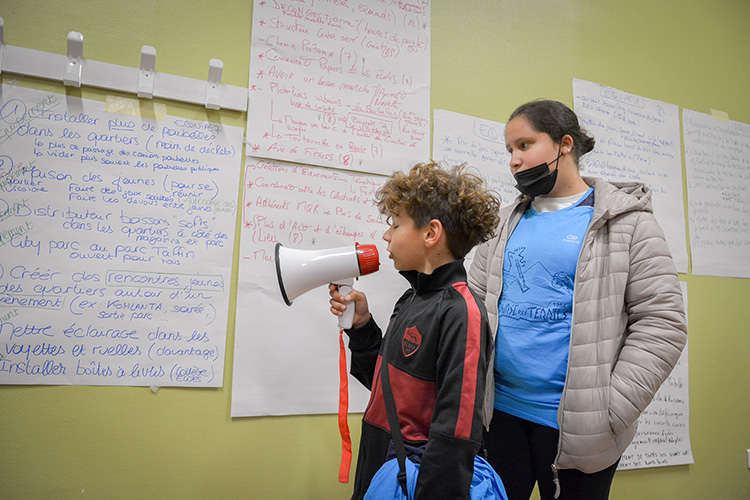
[
  {"x": 74, "y": 63},
  {"x": 213, "y": 86},
  {"x": 143, "y": 81},
  {"x": 147, "y": 74}
]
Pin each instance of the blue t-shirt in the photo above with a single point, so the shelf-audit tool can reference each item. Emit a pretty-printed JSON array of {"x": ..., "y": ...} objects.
[{"x": 535, "y": 307}]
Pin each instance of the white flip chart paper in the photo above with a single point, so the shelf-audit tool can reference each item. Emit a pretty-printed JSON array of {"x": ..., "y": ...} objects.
[
  {"x": 663, "y": 436},
  {"x": 116, "y": 239},
  {"x": 717, "y": 161},
  {"x": 286, "y": 357},
  {"x": 637, "y": 139},
  {"x": 340, "y": 84},
  {"x": 480, "y": 143}
]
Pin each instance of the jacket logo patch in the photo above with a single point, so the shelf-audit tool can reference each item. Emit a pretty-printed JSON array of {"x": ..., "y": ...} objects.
[{"x": 411, "y": 341}]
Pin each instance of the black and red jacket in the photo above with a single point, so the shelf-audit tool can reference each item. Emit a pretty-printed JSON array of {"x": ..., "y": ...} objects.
[{"x": 437, "y": 345}]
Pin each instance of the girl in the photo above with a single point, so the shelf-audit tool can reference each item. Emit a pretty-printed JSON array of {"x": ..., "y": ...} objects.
[{"x": 583, "y": 298}]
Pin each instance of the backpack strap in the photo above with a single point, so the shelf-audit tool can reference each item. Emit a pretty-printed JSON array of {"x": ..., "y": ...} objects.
[{"x": 398, "y": 440}]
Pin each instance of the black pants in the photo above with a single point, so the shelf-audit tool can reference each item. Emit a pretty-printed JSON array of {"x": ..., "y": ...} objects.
[{"x": 522, "y": 453}]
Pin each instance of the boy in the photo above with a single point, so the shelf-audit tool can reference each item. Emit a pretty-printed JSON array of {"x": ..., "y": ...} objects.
[{"x": 438, "y": 342}]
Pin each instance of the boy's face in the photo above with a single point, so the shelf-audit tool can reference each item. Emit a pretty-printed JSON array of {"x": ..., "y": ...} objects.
[{"x": 405, "y": 244}]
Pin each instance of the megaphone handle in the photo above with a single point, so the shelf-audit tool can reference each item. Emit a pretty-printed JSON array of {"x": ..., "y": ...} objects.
[{"x": 346, "y": 320}]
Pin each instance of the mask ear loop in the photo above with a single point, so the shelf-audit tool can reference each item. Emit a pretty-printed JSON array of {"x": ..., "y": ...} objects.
[{"x": 559, "y": 154}]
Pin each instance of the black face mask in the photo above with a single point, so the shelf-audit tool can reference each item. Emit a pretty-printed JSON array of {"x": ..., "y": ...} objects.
[{"x": 537, "y": 181}]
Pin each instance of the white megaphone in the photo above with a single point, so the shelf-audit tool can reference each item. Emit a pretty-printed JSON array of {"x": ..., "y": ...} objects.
[{"x": 300, "y": 271}]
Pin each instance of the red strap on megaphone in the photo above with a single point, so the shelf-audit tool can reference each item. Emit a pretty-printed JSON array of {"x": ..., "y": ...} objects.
[{"x": 346, "y": 440}]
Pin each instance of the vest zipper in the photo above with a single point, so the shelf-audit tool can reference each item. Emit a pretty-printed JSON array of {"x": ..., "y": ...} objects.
[{"x": 556, "y": 480}]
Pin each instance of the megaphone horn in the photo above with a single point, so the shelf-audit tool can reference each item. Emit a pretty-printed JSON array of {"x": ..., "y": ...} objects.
[{"x": 299, "y": 271}]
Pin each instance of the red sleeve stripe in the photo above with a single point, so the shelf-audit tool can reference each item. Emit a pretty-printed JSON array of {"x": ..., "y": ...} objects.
[{"x": 471, "y": 363}]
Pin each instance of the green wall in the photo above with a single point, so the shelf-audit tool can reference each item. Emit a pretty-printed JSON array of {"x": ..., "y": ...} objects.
[{"x": 487, "y": 57}]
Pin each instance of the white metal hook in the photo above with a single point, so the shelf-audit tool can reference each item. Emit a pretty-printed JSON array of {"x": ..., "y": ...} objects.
[
  {"x": 147, "y": 74},
  {"x": 213, "y": 86},
  {"x": 74, "y": 63},
  {"x": 68, "y": 68}
]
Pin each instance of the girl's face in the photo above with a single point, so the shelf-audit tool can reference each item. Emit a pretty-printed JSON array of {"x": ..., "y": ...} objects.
[
  {"x": 527, "y": 147},
  {"x": 405, "y": 244}
]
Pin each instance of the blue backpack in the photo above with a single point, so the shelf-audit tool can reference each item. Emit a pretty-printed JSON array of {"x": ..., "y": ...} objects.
[
  {"x": 485, "y": 484},
  {"x": 397, "y": 478}
]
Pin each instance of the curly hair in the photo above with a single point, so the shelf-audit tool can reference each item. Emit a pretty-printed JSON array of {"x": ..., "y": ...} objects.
[{"x": 455, "y": 197}]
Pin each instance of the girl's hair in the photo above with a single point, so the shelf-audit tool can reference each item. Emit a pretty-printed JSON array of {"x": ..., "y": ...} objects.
[
  {"x": 455, "y": 197},
  {"x": 556, "y": 119}
]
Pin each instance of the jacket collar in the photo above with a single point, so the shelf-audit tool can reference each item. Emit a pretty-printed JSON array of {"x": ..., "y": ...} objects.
[
  {"x": 440, "y": 278},
  {"x": 610, "y": 199}
]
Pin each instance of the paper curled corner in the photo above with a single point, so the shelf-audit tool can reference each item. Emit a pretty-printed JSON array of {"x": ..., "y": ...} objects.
[
  {"x": 154, "y": 389},
  {"x": 722, "y": 116}
]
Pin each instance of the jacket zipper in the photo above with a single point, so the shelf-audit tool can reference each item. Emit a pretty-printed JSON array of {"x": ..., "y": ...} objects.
[
  {"x": 555, "y": 476},
  {"x": 556, "y": 480}
]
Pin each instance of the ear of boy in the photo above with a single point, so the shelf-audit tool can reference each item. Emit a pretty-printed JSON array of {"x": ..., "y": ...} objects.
[{"x": 436, "y": 246}]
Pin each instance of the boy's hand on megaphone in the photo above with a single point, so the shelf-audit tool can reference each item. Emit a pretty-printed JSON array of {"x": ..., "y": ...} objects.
[{"x": 355, "y": 298}]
